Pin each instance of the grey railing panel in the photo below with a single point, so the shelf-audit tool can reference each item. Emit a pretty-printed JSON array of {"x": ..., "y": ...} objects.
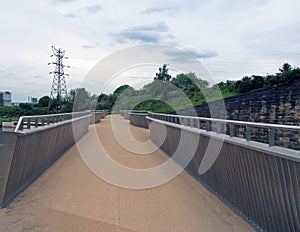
[
  {"x": 139, "y": 119},
  {"x": 259, "y": 182},
  {"x": 97, "y": 115},
  {"x": 7, "y": 145},
  {"x": 35, "y": 150},
  {"x": 37, "y": 121}
]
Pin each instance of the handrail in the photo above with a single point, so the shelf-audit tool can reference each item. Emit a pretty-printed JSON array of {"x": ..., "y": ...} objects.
[
  {"x": 236, "y": 122},
  {"x": 42, "y": 120},
  {"x": 183, "y": 120}
]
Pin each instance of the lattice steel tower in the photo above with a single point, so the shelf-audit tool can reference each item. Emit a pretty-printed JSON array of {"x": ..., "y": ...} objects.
[{"x": 59, "y": 88}]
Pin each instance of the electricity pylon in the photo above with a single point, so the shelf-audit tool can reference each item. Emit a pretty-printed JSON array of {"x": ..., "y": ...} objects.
[{"x": 59, "y": 88}]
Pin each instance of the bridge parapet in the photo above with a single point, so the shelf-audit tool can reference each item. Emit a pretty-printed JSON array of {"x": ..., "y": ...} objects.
[
  {"x": 36, "y": 121},
  {"x": 125, "y": 113},
  {"x": 28, "y": 152},
  {"x": 138, "y": 118},
  {"x": 97, "y": 115},
  {"x": 259, "y": 181}
]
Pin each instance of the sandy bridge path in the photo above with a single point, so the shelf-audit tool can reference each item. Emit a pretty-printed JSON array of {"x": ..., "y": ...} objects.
[{"x": 69, "y": 197}]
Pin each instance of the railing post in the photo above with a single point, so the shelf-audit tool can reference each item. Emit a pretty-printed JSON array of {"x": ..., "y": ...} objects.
[
  {"x": 199, "y": 123},
  {"x": 36, "y": 121},
  {"x": 271, "y": 137},
  {"x": 43, "y": 121},
  {"x": 231, "y": 130},
  {"x": 21, "y": 127},
  {"x": 248, "y": 133},
  {"x": 218, "y": 127},
  {"x": 208, "y": 125},
  {"x": 195, "y": 123},
  {"x": 28, "y": 123}
]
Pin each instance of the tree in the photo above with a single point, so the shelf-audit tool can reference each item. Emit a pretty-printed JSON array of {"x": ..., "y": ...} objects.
[
  {"x": 44, "y": 101},
  {"x": 82, "y": 100},
  {"x": 257, "y": 82},
  {"x": 245, "y": 85},
  {"x": 162, "y": 74},
  {"x": 124, "y": 89},
  {"x": 285, "y": 74},
  {"x": 271, "y": 80},
  {"x": 25, "y": 106},
  {"x": 286, "y": 68},
  {"x": 189, "y": 81}
]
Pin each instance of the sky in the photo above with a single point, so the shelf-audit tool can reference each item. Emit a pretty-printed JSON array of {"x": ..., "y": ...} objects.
[{"x": 230, "y": 39}]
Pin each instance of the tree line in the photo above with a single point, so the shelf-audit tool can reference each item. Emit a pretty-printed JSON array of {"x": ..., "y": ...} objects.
[
  {"x": 162, "y": 91},
  {"x": 286, "y": 74}
]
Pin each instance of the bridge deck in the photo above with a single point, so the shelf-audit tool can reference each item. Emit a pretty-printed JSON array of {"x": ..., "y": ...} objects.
[{"x": 69, "y": 197}]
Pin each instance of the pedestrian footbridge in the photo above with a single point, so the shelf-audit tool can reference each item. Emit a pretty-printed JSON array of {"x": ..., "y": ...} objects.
[{"x": 149, "y": 173}]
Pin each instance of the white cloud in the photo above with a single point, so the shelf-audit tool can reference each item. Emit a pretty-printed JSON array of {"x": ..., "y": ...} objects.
[
  {"x": 239, "y": 37},
  {"x": 150, "y": 33}
]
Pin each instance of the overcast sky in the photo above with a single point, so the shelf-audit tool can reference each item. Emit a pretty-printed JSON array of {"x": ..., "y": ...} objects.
[{"x": 230, "y": 38}]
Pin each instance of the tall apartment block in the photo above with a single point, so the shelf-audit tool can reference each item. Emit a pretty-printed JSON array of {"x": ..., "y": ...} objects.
[{"x": 5, "y": 98}]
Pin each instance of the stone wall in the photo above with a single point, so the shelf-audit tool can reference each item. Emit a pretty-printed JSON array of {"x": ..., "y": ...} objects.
[{"x": 279, "y": 105}]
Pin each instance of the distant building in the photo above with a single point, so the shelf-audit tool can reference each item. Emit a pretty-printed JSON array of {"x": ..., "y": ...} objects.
[
  {"x": 32, "y": 100},
  {"x": 15, "y": 103},
  {"x": 5, "y": 98}
]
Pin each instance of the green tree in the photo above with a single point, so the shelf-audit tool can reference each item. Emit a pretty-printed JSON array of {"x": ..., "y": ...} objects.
[
  {"x": 82, "y": 100},
  {"x": 43, "y": 101},
  {"x": 25, "y": 106},
  {"x": 163, "y": 74},
  {"x": 257, "y": 82},
  {"x": 189, "y": 81},
  {"x": 124, "y": 89},
  {"x": 286, "y": 68},
  {"x": 245, "y": 85}
]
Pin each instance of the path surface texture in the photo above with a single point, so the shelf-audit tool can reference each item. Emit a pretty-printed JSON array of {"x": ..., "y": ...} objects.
[{"x": 71, "y": 197}]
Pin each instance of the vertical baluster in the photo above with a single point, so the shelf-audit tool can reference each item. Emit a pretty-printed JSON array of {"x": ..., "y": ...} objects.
[
  {"x": 271, "y": 137},
  {"x": 231, "y": 130},
  {"x": 248, "y": 133},
  {"x": 21, "y": 125},
  {"x": 199, "y": 123},
  {"x": 28, "y": 123},
  {"x": 208, "y": 125}
]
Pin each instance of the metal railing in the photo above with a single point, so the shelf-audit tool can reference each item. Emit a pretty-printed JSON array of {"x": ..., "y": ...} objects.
[
  {"x": 259, "y": 183},
  {"x": 233, "y": 128},
  {"x": 27, "y": 122},
  {"x": 138, "y": 118}
]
